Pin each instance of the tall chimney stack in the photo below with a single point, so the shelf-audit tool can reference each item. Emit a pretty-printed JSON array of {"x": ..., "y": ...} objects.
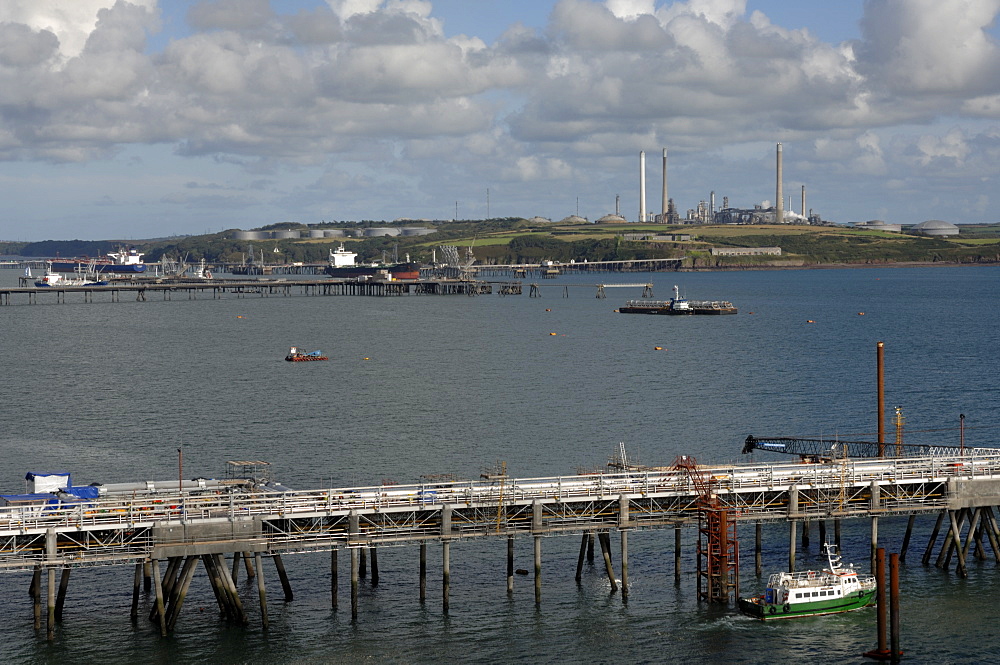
[
  {"x": 804, "y": 203},
  {"x": 779, "y": 205},
  {"x": 642, "y": 186},
  {"x": 663, "y": 218}
]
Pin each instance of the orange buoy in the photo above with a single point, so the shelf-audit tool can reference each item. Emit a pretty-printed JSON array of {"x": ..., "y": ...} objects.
[
  {"x": 861, "y": 313},
  {"x": 657, "y": 348},
  {"x": 548, "y": 310},
  {"x": 810, "y": 321},
  {"x": 552, "y": 333}
]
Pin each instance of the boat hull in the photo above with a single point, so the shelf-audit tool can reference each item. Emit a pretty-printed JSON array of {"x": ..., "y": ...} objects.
[
  {"x": 676, "y": 312},
  {"x": 757, "y": 608},
  {"x": 398, "y": 271}
]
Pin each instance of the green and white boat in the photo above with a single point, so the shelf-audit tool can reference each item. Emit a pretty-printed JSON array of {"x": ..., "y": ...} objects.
[{"x": 812, "y": 592}]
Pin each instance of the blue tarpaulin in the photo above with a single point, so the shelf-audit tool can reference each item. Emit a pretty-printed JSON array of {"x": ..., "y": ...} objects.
[{"x": 85, "y": 492}]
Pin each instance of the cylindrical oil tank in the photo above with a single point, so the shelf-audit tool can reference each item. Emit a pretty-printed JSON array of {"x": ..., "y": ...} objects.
[
  {"x": 416, "y": 231},
  {"x": 381, "y": 231},
  {"x": 316, "y": 233},
  {"x": 286, "y": 234},
  {"x": 333, "y": 233},
  {"x": 250, "y": 235}
]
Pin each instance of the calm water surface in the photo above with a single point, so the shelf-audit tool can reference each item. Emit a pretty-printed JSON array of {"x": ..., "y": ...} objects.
[{"x": 428, "y": 385}]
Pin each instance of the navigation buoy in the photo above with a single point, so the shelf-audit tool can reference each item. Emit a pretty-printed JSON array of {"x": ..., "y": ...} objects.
[
  {"x": 657, "y": 348},
  {"x": 366, "y": 358},
  {"x": 548, "y": 310},
  {"x": 552, "y": 333},
  {"x": 810, "y": 321},
  {"x": 861, "y": 313},
  {"x": 239, "y": 316}
]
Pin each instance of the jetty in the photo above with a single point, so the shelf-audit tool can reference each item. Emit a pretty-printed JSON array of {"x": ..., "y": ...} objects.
[{"x": 165, "y": 529}]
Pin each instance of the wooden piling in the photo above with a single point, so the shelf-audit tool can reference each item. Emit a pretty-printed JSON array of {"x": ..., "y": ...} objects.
[
  {"x": 510, "y": 564},
  {"x": 180, "y": 591},
  {"x": 579, "y": 562},
  {"x": 930, "y": 543},
  {"x": 354, "y": 584},
  {"x": 230, "y": 586},
  {"x": 880, "y": 598},
  {"x": 538, "y": 570},
  {"x": 61, "y": 597},
  {"x": 445, "y": 575},
  {"x": 423, "y": 571},
  {"x": 677, "y": 556},
  {"x": 333, "y": 578},
  {"x": 236, "y": 567},
  {"x": 136, "y": 585},
  {"x": 215, "y": 581},
  {"x": 51, "y": 623},
  {"x": 605, "y": 540},
  {"x": 791, "y": 546},
  {"x": 906, "y": 537},
  {"x": 261, "y": 593},
  {"x": 158, "y": 587},
  {"x": 758, "y": 559},
  {"x": 624, "y": 546},
  {"x": 874, "y": 537},
  {"x": 249, "y": 565},
  {"x": 590, "y": 547},
  {"x": 894, "y": 606},
  {"x": 35, "y": 590},
  {"x": 283, "y": 576}
]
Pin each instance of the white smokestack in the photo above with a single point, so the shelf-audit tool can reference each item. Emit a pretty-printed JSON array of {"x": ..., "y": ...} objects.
[
  {"x": 642, "y": 186},
  {"x": 779, "y": 197},
  {"x": 663, "y": 218},
  {"x": 804, "y": 216}
]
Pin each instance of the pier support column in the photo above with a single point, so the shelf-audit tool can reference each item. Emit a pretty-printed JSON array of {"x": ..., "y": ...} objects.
[
  {"x": 374, "y": 553},
  {"x": 250, "y": 568},
  {"x": 61, "y": 597},
  {"x": 590, "y": 547},
  {"x": 261, "y": 593},
  {"x": 805, "y": 535},
  {"x": 906, "y": 537},
  {"x": 624, "y": 543},
  {"x": 538, "y": 570},
  {"x": 606, "y": 551},
  {"x": 757, "y": 556},
  {"x": 158, "y": 587},
  {"x": 423, "y": 571},
  {"x": 234, "y": 594},
  {"x": 836, "y": 533},
  {"x": 445, "y": 575},
  {"x": 579, "y": 562},
  {"x": 363, "y": 566},
  {"x": 50, "y": 626},
  {"x": 147, "y": 577},
  {"x": 181, "y": 587},
  {"x": 35, "y": 591},
  {"x": 333, "y": 578},
  {"x": 354, "y": 584},
  {"x": 991, "y": 531},
  {"x": 510, "y": 565},
  {"x": 822, "y": 534},
  {"x": 236, "y": 567},
  {"x": 791, "y": 546},
  {"x": 677, "y": 556},
  {"x": 136, "y": 586},
  {"x": 283, "y": 576},
  {"x": 874, "y": 537}
]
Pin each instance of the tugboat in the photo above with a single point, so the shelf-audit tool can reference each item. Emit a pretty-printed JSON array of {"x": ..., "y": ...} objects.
[
  {"x": 812, "y": 592},
  {"x": 295, "y": 355}
]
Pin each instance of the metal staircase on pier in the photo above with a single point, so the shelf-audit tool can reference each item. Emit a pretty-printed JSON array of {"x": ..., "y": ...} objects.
[{"x": 718, "y": 546}]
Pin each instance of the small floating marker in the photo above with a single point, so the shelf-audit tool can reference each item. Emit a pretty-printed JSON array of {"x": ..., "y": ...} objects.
[
  {"x": 552, "y": 333},
  {"x": 521, "y": 571},
  {"x": 861, "y": 313},
  {"x": 239, "y": 316},
  {"x": 616, "y": 311},
  {"x": 548, "y": 310},
  {"x": 366, "y": 358},
  {"x": 749, "y": 312},
  {"x": 657, "y": 348},
  {"x": 810, "y": 321}
]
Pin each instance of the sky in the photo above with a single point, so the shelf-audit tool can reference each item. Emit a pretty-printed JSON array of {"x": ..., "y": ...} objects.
[{"x": 136, "y": 119}]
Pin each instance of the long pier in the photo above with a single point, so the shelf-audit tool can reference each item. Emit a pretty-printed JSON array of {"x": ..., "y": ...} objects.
[{"x": 143, "y": 526}]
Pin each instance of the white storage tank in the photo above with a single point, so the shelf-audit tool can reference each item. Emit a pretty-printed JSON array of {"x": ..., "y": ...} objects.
[
  {"x": 251, "y": 235},
  {"x": 286, "y": 234}
]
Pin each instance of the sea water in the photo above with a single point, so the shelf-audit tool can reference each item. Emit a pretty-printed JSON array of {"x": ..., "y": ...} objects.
[{"x": 425, "y": 385}]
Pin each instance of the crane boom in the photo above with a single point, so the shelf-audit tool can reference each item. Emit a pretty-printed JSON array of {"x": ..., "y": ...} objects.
[{"x": 830, "y": 449}]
